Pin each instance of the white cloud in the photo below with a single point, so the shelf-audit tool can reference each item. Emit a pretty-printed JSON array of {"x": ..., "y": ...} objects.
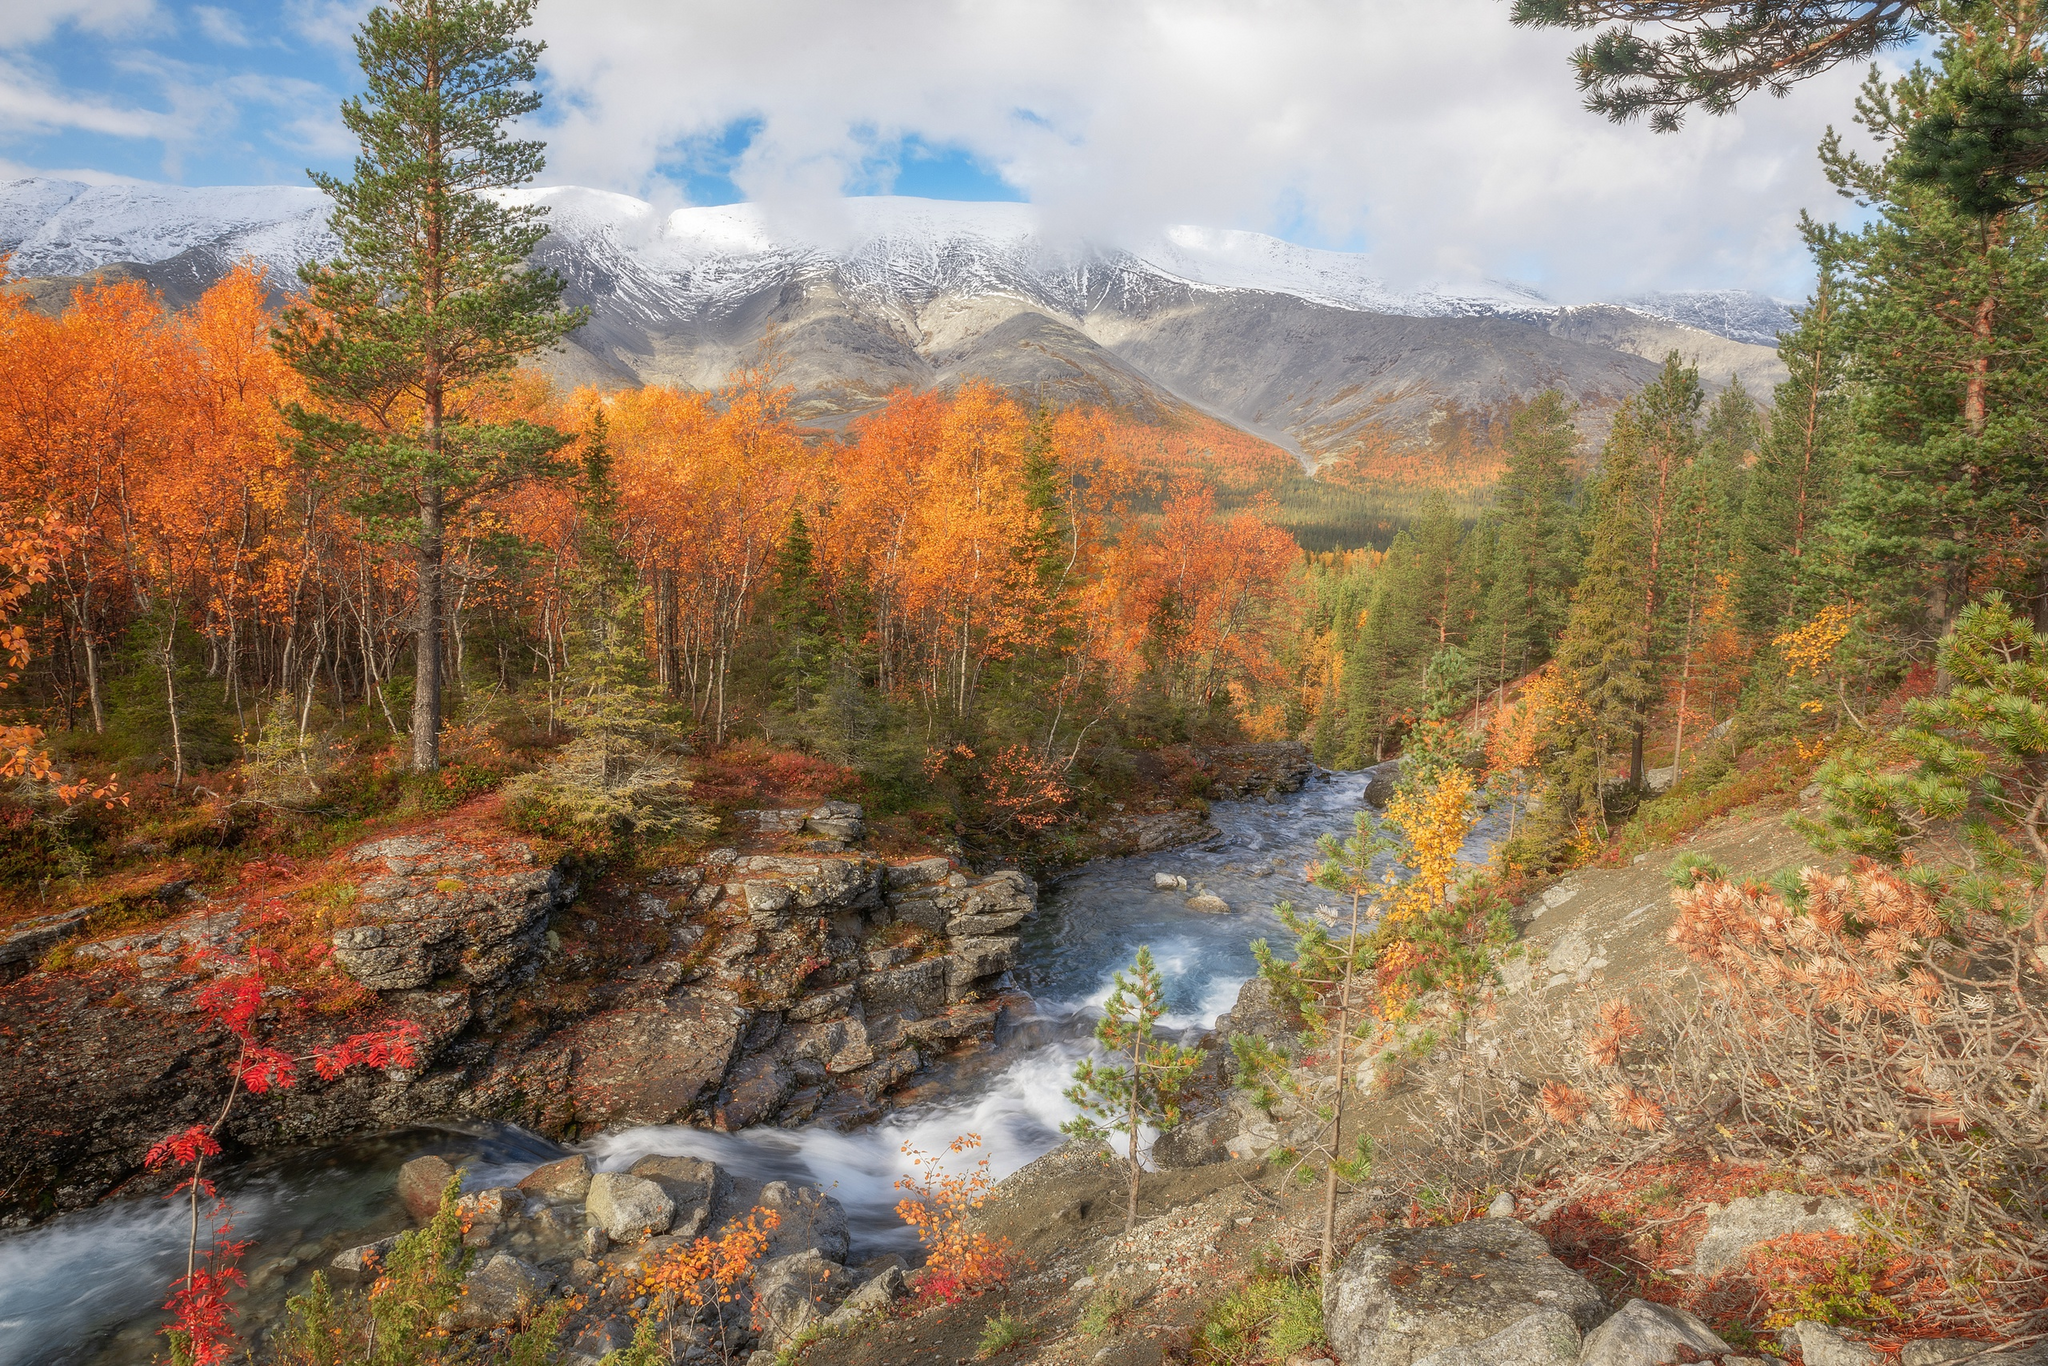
[
  {"x": 30, "y": 103},
  {"x": 330, "y": 23},
  {"x": 221, "y": 26},
  {"x": 1449, "y": 141},
  {"x": 31, "y": 21}
]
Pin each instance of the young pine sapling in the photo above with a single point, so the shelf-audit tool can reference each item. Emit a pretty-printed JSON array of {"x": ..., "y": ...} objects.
[{"x": 1145, "y": 1083}]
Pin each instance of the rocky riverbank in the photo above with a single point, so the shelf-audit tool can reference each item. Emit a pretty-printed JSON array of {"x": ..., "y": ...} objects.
[{"x": 786, "y": 978}]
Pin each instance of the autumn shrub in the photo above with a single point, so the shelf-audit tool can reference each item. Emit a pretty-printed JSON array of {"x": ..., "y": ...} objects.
[
  {"x": 1860, "y": 1029},
  {"x": 714, "y": 1273},
  {"x": 960, "y": 1260}
]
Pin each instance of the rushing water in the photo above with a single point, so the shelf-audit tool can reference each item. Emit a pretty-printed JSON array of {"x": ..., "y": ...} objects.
[{"x": 84, "y": 1288}]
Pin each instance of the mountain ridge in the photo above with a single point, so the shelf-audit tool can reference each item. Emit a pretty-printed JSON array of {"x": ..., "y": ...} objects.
[{"x": 1307, "y": 345}]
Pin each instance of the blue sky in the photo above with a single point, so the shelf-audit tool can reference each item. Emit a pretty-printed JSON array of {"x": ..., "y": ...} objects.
[
  {"x": 240, "y": 93},
  {"x": 1429, "y": 132}
]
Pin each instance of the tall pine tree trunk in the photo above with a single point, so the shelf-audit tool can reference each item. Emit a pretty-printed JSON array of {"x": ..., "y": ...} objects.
[{"x": 426, "y": 697}]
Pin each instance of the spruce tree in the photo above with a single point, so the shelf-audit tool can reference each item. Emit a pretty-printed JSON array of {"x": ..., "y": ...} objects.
[
  {"x": 1618, "y": 633},
  {"x": 802, "y": 622},
  {"x": 1603, "y": 646},
  {"x": 430, "y": 293},
  {"x": 1793, "y": 484},
  {"x": 1535, "y": 550}
]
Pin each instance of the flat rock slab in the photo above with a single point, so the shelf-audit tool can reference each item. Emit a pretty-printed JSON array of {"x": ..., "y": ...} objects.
[
  {"x": 1733, "y": 1230},
  {"x": 1403, "y": 1295}
]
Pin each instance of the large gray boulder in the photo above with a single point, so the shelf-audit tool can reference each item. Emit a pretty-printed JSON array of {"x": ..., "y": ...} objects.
[
  {"x": 628, "y": 1208},
  {"x": 1197, "y": 1141},
  {"x": 1403, "y": 1295},
  {"x": 501, "y": 1291},
  {"x": 809, "y": 1220},
  {"x": 1820, "y": 1345},
  {"x": 1545, "y": 1338},
  {"x": 1263, "y": 1012},
  {"x": 691, "y": 1183},
  {"x": 1646, "y": 1334},
  {"x": 1733, "y": 1230}
]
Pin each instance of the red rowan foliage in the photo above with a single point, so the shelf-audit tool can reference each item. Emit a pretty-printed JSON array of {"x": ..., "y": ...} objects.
[{"x": 189, "y": 1146}]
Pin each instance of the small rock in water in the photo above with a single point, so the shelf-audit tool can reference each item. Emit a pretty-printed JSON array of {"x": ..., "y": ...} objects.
[
  {"x": 359, "y": 1261},
  {"x": 1169, "y": 882},
  {"x": 1208, "y": 903},
  {"x": 568, "y": 1179},
  {"x": 420, "y": 1183}
]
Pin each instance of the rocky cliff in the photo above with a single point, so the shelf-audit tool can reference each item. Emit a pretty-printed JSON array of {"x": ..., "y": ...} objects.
[{"x": 789, "y": 978}]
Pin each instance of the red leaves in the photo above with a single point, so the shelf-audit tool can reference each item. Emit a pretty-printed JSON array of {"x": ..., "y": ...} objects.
[
  {"x": 182, "y": 1148},
  {"x": 199, "y": 1307},
  {"x": 233, "y": 1003},
  {"x": 262, "y": 1069},
  {"x": 394, "y": 1046}
]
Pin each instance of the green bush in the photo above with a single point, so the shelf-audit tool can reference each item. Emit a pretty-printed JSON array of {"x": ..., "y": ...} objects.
[{"x": 1265, "y": 1320}]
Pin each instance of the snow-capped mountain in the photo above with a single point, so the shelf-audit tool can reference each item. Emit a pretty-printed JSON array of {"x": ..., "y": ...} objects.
[{"x": 872, "y": 293}]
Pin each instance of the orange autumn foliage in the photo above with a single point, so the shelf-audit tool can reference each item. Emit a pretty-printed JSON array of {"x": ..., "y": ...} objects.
[{"x": 953, "y": 533}]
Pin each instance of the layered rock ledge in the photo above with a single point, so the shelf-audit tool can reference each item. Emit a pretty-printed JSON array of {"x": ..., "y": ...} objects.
[{"x": 800, "y": 981}]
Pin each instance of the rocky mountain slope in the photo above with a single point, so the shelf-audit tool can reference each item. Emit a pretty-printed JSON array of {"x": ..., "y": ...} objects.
[{"x": 1303, "y": 346}]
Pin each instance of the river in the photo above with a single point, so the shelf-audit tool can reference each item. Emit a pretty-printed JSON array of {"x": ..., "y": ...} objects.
[{"x": 85, "y": 1288}]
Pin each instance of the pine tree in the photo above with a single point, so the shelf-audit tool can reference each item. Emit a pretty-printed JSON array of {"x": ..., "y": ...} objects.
[
  {"x": 430, "y": 294},
  {"x": 1793, "y": 484},
  {"x": 1950, "y": 372},
  {"x": 1145, "y": 1085}
]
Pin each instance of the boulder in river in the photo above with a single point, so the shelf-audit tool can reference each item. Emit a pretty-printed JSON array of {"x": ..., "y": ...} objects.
[
  {"x": 808, "y": 1220},
  {"x": 1208, "y": 903},
  {"x": 1407, "y": 1293},
  {"x": 568, "y": 1179},
  {"x": 628, "y": 1208},
  {"x": 420, "y": 1183},
  {"x": 690, "y": 1182}
]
